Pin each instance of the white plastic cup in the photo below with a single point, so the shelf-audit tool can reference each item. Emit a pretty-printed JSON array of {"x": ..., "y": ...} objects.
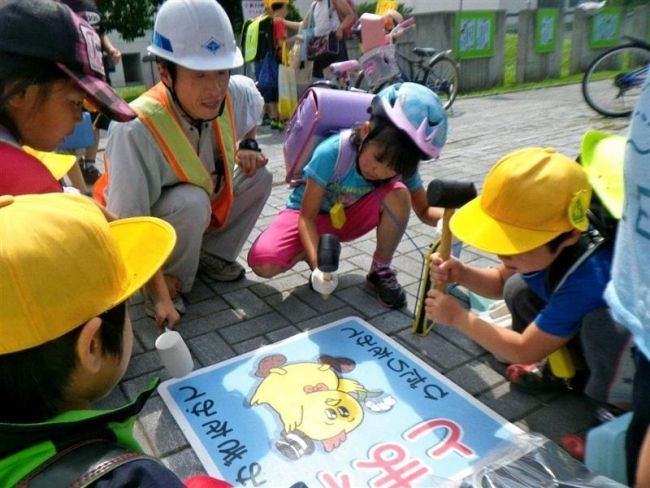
[{"x": 174, "y": 354}]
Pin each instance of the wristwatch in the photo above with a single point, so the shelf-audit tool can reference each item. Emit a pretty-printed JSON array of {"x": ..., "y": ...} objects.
[{"x": 250, "y": 144}]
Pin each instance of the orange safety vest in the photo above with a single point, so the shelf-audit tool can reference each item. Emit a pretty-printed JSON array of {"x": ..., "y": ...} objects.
[{"x": 155, "y": 111}]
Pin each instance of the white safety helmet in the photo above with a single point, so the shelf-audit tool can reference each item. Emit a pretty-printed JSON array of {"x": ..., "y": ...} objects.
[{"x": 195, "y": 34}]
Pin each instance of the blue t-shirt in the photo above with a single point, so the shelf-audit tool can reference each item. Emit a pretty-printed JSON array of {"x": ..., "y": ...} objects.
[
  {"x": 581, "y": 293},
  {"x": 349, "y": 187}
]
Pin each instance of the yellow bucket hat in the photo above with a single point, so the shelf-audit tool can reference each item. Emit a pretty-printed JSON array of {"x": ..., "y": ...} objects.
[
  {"x": 529, "y": 197},
  {"x": 602, "y": 157},
  {"x": 62, "y": 263}
]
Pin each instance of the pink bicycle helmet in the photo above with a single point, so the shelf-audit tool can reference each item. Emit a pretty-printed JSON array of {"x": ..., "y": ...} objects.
[{"x": 415, "y": 110}]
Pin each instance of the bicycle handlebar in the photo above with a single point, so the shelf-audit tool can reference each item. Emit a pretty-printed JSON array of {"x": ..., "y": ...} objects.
[{"x": 401, "y": 28}]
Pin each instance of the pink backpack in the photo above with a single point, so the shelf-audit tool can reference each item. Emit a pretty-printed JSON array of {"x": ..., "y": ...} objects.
[{"x": 320, "y": 113}]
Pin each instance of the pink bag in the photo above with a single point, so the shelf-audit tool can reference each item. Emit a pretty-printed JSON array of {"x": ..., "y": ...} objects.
[
  {"x": 373, "y": 33},
  {"x": 320, "y": 113}
]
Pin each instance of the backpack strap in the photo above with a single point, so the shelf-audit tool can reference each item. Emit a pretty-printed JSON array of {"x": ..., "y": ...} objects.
[
  {"x": 572, "y": 257},
  {"x": 345, "y": 157},
  {"x": 81, "y": 464}
]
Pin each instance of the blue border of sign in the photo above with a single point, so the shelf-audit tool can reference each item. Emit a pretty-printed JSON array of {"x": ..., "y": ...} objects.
[{"x": 413, "y": 425}]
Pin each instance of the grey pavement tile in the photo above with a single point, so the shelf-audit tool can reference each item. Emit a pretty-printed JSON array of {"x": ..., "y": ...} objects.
[
  {"x": 552, "y": 418},
  {"x": 433, "y": 349},
  {"x": 283, "y": 282},
  {"x": 209, "y": 349},
  {"x": 510, "y": 403},
  {"x": 327, "y": 318},
  {"x": 391, "y": 322},
  {"x": 206, "y": 307},
  {"x": 184, "y": 464},
  {"x": 246, "y": 304},
  {"x": 283, "y": 333},
  {"x": 209, "y": 323},
  {"x": 410, "y": 265},
  {"x": 348, "y": 252},
  {"x": 250, "y": 345},
  {"x": 475, "y": 377},
  {"x": 316, "y": 301},
  {"x": 354, "y": 278},
  {"x": 199, "y": 293},
  {"x": 161, "y": 428},
  {"x": 247, "y": 329},
  {"x": 290, "y": 306},
  {"x": 222, "y": 287},
  {"x": 458, "y": 339},
  {"x": 133, "y": 387},
  {"x": 362, "y": 300},
  {"x": 144, "y": 363}
]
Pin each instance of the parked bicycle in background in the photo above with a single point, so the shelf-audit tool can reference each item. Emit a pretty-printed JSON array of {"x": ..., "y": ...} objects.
[
  {"x": 612, "y": 83},
  {"x": 384, "y": 65}
]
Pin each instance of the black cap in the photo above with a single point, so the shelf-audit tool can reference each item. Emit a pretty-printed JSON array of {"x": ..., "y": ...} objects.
[{"x": 45, "y": 29}]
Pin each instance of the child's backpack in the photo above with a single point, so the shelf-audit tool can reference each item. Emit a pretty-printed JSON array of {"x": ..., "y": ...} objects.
[
  {"x": 257, "y": 37},
  {"x": 320, "y": 113},
  {"x": 602, "y": 155}
]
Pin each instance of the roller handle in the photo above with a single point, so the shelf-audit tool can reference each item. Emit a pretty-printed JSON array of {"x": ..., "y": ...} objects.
[{"x": 445, "y": 245}]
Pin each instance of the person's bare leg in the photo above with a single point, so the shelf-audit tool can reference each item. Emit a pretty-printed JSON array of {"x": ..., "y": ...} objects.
[{"x": 394, "y": 218}]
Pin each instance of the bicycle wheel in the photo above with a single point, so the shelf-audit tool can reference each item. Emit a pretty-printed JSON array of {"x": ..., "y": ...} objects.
[
  {"x": 442, "y": 79},
  {"x": 362, "y": 84},
  {"x": 612, "y": 83}
]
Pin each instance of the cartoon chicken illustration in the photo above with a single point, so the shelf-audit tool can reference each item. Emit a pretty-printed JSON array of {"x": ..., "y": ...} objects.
[{"x": 314, "y": 403}]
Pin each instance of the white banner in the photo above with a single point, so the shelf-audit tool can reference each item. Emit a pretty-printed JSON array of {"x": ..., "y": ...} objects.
[{"x": 252, "y": 8}]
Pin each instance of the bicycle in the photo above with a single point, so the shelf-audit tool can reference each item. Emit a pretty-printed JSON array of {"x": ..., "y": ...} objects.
[
  {"x": 438, "y": 71},
  {"x": 612, "y": 83},
  {"x": 379, "y": 68}
]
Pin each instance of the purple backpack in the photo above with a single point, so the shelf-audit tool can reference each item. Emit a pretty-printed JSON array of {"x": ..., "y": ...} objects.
[{"x": 320, "y": 113}]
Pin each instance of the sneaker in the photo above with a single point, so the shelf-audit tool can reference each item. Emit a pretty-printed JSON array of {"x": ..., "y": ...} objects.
[
  {"x": 90, "y": 172},
  {"x": 266, "y": 120},
  {"x": 219, "y": 269},
  {"x": 536, "y": 378},
  {"x": 150, "y": 309},
  {"x": 574, "y": 444},
  {"x": 277, "y": 124},
  {"x": 389, "y": 291}
]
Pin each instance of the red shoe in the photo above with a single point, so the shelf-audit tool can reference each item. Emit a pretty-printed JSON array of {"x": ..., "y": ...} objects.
[
  {"x": 535, "y": 378},
  {"x": 574, "y": 444}
]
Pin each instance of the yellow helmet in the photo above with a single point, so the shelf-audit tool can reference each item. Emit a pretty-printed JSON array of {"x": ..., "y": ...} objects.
[{"x": 268, "y": 3}]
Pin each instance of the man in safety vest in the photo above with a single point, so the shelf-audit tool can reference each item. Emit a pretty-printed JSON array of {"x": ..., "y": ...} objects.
[{"x": 182, "y": 159}]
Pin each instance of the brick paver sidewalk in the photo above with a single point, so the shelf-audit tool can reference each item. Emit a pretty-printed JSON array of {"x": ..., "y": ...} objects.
[{"x": 227, "y": 319}]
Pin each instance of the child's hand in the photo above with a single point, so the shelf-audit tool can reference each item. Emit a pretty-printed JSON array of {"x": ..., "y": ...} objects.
[
  {"x": 449, "y": 271},
  {"x": 166, "y": 314},
  {"x": 442, "y": 308}
]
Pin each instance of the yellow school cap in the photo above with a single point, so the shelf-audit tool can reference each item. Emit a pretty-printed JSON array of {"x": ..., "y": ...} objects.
[
  {"x": 62, "y": 263},
  {"x": 529, "y": 197}
]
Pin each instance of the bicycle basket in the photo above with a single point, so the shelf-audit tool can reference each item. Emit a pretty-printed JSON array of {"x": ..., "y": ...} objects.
[{"x": 380, "y": 65}]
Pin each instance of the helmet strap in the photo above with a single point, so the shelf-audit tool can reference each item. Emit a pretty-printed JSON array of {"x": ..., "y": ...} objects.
[{"x": 195, "y": 122}]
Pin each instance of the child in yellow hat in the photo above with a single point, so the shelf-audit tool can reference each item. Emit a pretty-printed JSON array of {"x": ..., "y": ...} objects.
[
  {"x": 533, "y": 215},
  {"x": 66, "y": 339}
]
